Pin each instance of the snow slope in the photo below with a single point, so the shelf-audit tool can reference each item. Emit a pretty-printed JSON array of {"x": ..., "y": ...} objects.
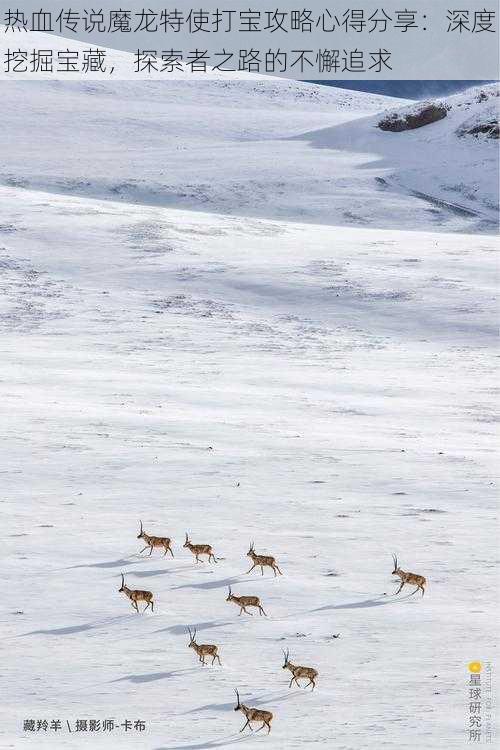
[
  {"x": 195, "y": 334},
  {"x": 246, "y": 148},
  {"x": 254, "y": 146},
  {"x": 342, "y": 379},
  {"x": 221, "y": 146},
  {"x": 433, "y": 163}
]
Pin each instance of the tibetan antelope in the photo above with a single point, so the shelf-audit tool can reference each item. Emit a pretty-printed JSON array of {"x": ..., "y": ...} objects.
[
  {"x": 203, "y": 649},
  {"x": 155, "y": 541},
  {"x": 412, "y": 578},
  {"x": 245, "y": 601},
  {"x": 137, "y": 596},
  {"x": 262, "y": 560},
  {"x": 200, "y": 549},
  {"x": 254, "y": 714},
  {"x": 307, "y": 673}
]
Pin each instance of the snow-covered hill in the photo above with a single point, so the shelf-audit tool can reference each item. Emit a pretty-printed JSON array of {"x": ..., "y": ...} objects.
[
  {"x": 245, "y": 145},
  {"x": 245, "y": 148},
  {"x": 209, "y": 324},
  {"x": 440, "y": 163},
  {"x": 218, "y": 145}
]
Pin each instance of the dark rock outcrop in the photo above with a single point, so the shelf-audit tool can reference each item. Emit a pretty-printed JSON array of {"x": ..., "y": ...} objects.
[{"x": 417, "y": 117}]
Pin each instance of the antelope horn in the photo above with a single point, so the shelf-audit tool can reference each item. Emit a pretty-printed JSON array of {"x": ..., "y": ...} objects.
[
  {"x": 123, "y": 579},
  {"x": 394, "y": 557},
  {"x": 238, "y": 697},
  {"x": 141, "y": 526},
  {"x": 230, "y": 591},
  {"x": 186, "y": 536}
]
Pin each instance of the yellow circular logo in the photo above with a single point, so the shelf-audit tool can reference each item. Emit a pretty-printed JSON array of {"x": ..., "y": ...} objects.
[{"x": 475, "y": 666}]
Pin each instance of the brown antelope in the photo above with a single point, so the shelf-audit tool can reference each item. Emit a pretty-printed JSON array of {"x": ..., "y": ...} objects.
[
  {"x": 262, "y": 560},
  {"x": 307, "y": 672},
  {"x": 412, "y": 578},
  {"x": 203, "y": 649},
  {"x": 254, "y": 714},
  {"x": 200, "y": 549},
  {"x": 155, "y": 541},
  {"x": 245, "y": 601},
  {"x": 137, "y": 596}
]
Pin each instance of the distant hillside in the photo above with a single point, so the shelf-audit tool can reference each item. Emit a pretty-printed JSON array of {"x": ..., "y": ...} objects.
[
  {"x": 406, "y": 89},
  {"x": 451, "y": 163}
]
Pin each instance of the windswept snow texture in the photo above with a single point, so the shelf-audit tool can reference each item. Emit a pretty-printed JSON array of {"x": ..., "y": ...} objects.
[{"x": 212, "y": 325}]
